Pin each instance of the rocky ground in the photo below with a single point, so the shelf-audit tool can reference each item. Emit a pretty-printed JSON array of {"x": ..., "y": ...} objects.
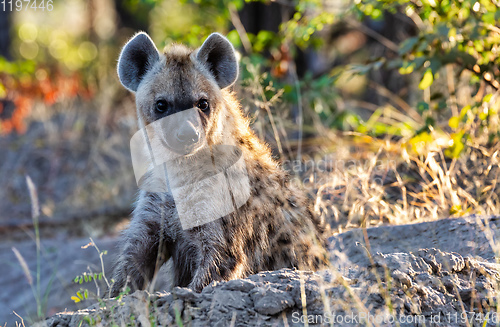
[{"x": 440, "y": 273}]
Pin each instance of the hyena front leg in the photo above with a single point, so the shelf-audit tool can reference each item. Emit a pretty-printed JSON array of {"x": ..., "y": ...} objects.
[
  {"x": 215, "y": 261},
  {"x": 146, "y": 246},
  {"x": 207, "y": 271}
]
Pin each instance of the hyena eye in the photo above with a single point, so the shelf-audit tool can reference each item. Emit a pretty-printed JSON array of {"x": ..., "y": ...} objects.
[
  {"x": 203, "y": 104},
  {"x": 161, "y": 106}
]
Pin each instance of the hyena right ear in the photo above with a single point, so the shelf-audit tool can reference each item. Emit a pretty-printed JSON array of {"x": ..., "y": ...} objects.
[
  {"x": 218, "y": 55},
  {"x": 136, "y": 59}
]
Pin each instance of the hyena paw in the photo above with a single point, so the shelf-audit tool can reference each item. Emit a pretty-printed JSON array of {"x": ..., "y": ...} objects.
[
  {"x": 197, "y": 285},
  {"x": 120, "y": 281},
  {"x": 115, "y": 290}
]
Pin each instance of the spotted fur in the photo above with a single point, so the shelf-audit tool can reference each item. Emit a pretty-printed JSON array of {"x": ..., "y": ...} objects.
[{"x": 275, "y": 228}]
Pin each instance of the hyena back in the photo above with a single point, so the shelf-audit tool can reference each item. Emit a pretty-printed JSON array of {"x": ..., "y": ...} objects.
[{"x": 274, "y": 229}]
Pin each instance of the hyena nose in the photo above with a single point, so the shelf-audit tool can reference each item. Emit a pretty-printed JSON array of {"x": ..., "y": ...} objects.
[{"x": 188, "y": 134}]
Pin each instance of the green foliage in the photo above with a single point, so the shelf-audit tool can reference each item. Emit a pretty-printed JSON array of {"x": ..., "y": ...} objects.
[
  {"x": 202, "y": 17},
  {"x": 87, "y": 277},
  {"x": 49, "y": 45},
  {"x": 301, "y": 28},
  {"x": 81, "y": 295},
  {"x": 457, "y": 33},
  {"x": 16, "y": 69},
  {"x": 460, "y": 34}
]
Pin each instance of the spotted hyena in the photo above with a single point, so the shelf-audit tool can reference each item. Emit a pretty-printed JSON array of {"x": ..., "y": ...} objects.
[{"x": 275, "y": 226}]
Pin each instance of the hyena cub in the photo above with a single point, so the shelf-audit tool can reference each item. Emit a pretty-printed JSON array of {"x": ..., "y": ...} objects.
[{"x": 275, "y": 228}]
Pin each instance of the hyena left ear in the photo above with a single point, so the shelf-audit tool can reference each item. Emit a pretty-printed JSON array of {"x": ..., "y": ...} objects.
[
  {"x": 217, "y": 53},
  {"x": 138, "y": 56}
]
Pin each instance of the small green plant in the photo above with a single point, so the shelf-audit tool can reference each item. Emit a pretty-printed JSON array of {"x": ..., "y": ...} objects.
[
  {"x": 178, "y": 318},
  {"x": 87, "y": 277},
  {"x": 89, "y": 320},
  {"x": 125, "y": 291}
]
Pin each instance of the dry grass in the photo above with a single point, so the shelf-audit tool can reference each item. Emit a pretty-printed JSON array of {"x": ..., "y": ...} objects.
[
  {"x": 360, "y": 181},
  {"x": 387, "y": 185}
]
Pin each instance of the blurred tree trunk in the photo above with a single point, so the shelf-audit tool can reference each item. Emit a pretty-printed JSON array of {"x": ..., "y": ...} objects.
[
  {"x": 6, "y": 106},
  {"x": 103, "y": 19},
  {"x": 258, "y": 16},
  {"x": 134, "y": 16},
  {"x": 5, "y": 40}
]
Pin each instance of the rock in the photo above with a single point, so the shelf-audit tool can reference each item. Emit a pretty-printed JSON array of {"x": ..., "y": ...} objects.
[
  {"x": 232, "y": 299},
  {"x": 402, "y": 278},
  {"x": 243, "y": 285},
  {"x": 269, "y": 300},
  {"x": 185, "y": 293},
  {"x": 443, "y": 262}
]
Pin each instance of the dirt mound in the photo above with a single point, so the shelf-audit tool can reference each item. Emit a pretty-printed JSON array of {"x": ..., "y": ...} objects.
[
  {"x": 422, "y": 286},
  {"x": 427, "y": 287}
]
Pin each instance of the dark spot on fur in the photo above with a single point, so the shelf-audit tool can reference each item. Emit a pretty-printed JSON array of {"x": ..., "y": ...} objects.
[
  {"x": 152, "y": 228},
  {"x": 269, "y": 260},
  {"x": 229, "y": 264},
  {"x": 278, "y": 201},
  {"x": 284, "y": 240},
  {"x": 249, "y": 244},
  {"x": 271, "y": 231}
]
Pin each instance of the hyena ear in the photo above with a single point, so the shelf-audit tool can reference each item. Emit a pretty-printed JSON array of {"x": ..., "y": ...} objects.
[
  {"x": 136, "y": 59},
  {"x": 217, "y": 53}
]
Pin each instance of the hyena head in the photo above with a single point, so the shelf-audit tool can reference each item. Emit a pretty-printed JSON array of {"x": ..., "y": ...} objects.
[{"x": 184, "y": 86}]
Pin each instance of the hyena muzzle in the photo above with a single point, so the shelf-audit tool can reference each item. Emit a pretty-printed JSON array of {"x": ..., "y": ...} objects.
[{"x": 275, "y": 226}]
